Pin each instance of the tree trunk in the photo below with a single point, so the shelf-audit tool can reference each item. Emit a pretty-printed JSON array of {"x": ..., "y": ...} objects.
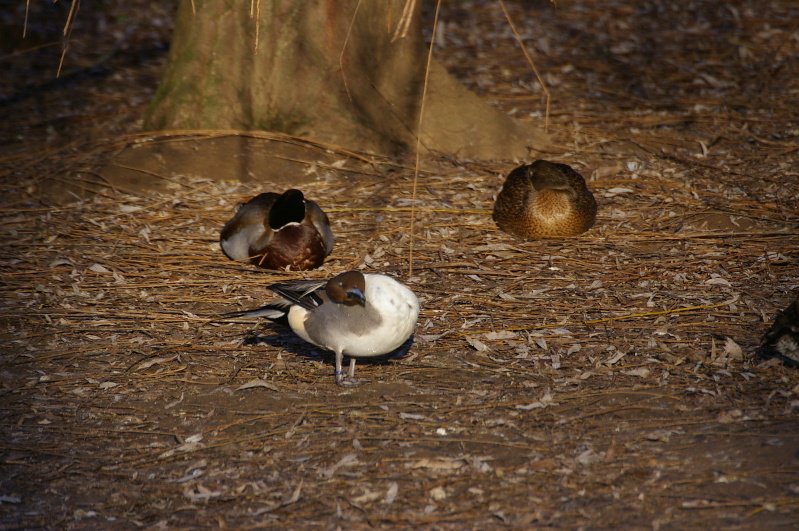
[{"x": 328, "y": 71}]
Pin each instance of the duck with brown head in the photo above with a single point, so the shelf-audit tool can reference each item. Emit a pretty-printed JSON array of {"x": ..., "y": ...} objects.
[
  {"x": 353, "y": 314},
  {"x": 279, "y": 231}
]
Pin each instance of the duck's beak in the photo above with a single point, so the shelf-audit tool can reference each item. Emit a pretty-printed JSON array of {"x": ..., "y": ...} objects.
[{"x": 357, "y": 295}]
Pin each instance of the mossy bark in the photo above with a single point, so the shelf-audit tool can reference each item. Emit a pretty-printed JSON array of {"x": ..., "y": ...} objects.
[{"x": 326, "y": 70}]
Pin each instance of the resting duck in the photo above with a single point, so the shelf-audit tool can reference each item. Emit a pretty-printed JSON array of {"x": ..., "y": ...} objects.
[
  {"x": 352, "y": 314},
  {"x": 544, "y": 200},
  {"x": 277, "y": 231},
  {"x": 783, "y": 336}
]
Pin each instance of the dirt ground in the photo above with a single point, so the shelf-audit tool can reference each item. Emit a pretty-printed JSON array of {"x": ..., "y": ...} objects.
[{"x": 602, "y": 382}]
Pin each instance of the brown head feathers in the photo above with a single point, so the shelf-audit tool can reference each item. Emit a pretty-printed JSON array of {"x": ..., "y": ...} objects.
[{"x": 347, "y": 288}]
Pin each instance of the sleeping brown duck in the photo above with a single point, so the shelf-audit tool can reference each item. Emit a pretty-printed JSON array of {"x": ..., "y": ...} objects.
[{"x": 544, "y": 200}]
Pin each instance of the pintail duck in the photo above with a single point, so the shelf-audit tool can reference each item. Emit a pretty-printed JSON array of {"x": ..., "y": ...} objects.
[
  {"x": 783, "y": 336},
  {"x": 544, "y": 200},
  {"x": 276, "y": 231},
  {"x": 353, "y": 314}
]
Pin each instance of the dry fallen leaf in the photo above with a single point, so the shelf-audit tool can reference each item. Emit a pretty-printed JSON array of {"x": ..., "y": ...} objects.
[
  {"x": 437, "y": 463},
  {"x": 257, "y": 383}
]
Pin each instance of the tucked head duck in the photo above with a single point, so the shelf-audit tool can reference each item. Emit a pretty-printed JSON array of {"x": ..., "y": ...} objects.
[
  {"x": 352, "y": 314},
  {"x": 276, "y": 231},
  {"x": 544, "y": 200},
  {"x": 783, "y": 336}
]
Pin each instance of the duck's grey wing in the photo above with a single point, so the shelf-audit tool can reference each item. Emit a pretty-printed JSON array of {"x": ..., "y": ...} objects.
[
  {"x": 322, "y": 223},
  {"x": 274, "y": 310},
  {"x": 306, "y": 293}
]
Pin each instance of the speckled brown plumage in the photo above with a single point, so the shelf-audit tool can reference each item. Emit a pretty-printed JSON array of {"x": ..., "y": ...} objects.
[
  {"x": 544, "y": 200},
  {"x": 783, "y": 336}
]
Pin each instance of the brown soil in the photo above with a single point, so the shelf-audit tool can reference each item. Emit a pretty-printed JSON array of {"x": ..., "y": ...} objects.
[{"x": 605, "y": 381}]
